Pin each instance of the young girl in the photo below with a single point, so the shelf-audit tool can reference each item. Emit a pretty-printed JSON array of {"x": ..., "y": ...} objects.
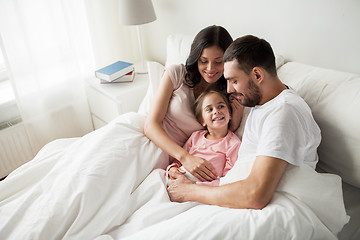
[{"x": 216, "y": 143}]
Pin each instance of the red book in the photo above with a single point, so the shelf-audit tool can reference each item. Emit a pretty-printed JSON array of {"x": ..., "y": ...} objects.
[{"x": 129, "y": 77}]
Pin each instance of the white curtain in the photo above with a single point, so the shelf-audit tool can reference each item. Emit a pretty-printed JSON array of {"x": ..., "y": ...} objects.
[{"x": 49, "y": 55}]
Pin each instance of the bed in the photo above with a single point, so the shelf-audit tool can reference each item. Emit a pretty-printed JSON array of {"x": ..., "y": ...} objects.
[{"x": 70, "y": 191}]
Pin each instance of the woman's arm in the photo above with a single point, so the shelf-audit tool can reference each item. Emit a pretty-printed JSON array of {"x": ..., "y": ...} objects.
[{"x": 199, "y": 167}]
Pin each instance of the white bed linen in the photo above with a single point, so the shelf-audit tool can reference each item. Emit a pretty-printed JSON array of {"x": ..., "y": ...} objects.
[
  {"x": 80, "y": 190},
  {"x": 91, "y": 196},
  {"x": 295, "y": 212},
  {"x": 352, "y": 204}
]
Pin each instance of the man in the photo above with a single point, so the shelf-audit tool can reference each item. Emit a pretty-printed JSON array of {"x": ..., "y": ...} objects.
[{"x": 279, "y": 131}]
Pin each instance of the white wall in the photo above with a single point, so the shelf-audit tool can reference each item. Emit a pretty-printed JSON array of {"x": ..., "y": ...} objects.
[
  {"x": 111, "y": 41},
  {"x": 324, "y": 33}
]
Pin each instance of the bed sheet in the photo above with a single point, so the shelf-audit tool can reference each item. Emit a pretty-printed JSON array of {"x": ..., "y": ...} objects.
[
  {"x": 155, "y": 217},
  {"x": 79, "y": 188},
  {"x": 99, "y": 186}
]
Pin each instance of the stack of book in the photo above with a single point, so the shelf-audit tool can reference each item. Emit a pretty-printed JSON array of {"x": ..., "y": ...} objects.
[{"x": 117, "y": 72}]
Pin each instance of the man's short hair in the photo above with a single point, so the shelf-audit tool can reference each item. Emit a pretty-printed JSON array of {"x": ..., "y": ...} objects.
[{"x": 250, "y": 52}]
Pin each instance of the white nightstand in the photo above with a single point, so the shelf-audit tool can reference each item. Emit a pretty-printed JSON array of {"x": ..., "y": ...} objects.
[{"x": 107, "y": 101}]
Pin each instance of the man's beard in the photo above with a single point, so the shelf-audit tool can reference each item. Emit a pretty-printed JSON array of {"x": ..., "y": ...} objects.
[{"x": 253, "y": 95}]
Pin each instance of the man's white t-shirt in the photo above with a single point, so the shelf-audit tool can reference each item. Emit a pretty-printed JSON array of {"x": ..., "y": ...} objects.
[{"x": 283, "y": 128}]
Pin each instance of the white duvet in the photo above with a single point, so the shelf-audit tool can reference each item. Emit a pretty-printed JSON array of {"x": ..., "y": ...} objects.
[{"x": 99, "y": 187}]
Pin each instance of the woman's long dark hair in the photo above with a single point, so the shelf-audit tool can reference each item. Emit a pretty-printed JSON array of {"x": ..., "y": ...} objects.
[{"x": 208, "y": 37}]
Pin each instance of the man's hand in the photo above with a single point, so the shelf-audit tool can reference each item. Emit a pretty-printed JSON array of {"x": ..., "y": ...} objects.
[
  {"x": 179, "y": 187},
  {"x": 253, "y": 192}
]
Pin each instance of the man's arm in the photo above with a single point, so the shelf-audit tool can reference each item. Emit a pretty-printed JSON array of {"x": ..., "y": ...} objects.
[{"x": 254, "y": 192}]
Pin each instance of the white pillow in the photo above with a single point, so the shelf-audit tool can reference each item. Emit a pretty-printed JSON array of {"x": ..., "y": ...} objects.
[
  {"x": 279, "y": 60},
  {"x": 334, "y": 98},
  {"x": 177, "y": 48},
  {"x": 155, "y": 71}
]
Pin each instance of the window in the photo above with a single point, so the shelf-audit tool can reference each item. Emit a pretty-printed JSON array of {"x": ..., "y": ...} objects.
[
  {"x": 9, "y": 112},
  {"x": 6, "y": 93}
]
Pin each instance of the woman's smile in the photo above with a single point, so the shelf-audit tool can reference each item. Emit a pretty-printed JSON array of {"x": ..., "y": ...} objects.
[{"x": 211, "y": 75}]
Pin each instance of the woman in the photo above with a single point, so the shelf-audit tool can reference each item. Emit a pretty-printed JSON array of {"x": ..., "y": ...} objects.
[
  {"x": 81, "y": 188},
  {"x": 169, "y": 125}
]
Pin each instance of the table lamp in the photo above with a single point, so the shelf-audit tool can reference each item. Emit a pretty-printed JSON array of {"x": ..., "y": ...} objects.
[{"x": 137, "y": 12}]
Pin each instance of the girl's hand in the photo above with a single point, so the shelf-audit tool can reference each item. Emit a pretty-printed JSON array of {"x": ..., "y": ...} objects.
[
  {"x": 175, "y": 170},
  {"x": 178, "y": 189},
  {"x": 199, "y": 168},
  {"x": 236, "y": 114}
]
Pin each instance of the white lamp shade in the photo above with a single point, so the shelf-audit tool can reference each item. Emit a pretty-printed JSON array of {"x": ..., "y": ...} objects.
[{"x": 136, "y": 12}]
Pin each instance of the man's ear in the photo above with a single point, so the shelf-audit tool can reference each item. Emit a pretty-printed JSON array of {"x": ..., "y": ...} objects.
[{"x": 258, "y": 74}]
